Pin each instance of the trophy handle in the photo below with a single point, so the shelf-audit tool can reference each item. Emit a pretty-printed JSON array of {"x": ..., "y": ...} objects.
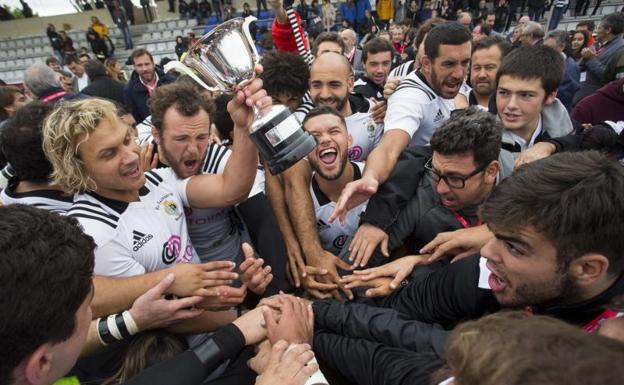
[
  {"x": 181, "y": 68},
  {"x": 249, "y": 20}
]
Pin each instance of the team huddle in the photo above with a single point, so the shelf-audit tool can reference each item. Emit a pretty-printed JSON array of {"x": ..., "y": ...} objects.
[{"x": 456, "y": 223}]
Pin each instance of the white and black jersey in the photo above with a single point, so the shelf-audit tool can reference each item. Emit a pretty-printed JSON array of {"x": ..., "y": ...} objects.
[
  {"x": 5, "y": 176},
  {"x": 51, "y": 200},
  {"x": 334, "y": 236},
  {"x": 307, "y": 104},
  {"x": 368, "y": 88},
  {"x": 138, "y": 237},
  {"x": 365, "y": 133},
  {"x": 402, "y": 71},
  {"x": 144, "y": 130},
  {"x": 416, "y": 109},
  {"x": 217, "y": 233}
]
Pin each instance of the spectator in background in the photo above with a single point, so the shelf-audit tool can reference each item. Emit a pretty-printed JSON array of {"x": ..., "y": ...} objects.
[
  {"x": 266, "y": 39},
  {"x": 261, "y": 4},
  {"x": 98, "y": 45},
  {"x": 55, "y": 42},
  {"x": 129, "y": 8},
  {"x": 147, "y": 11},
  {"x": 559, "y": 7},
  {"x": 500, "y": 16},
  {"x": 42, "y": 82},
  {"x": 479, "y": 13},
  {"x": 114, "y": 69},
  {"x": 532, "y": 34},
  {"x": 143, "y": 82},
  {"x": 570, "y": 84},
  {"x": 579, "y": 40},
  {"x": 361, "y": 6},
  {"x": 216, "y": 7},
  {"x": 329, "y": 15},
  {"x": 398, "y": 38},
  {"x": 374, "y": 32},
  {"x": 481, "y": 31},
  {"x": 11, "y": 99},
  {"x": 536, "y": 9},
  {"x": 66, "y": 44},
  {"x": 385, "y": 11},
  {"x": 53, "y": 63},
  {"x": 181, "y": 46},
  {"x": 102, "y": 31},
  {"x": 65, "y": 79},
  {"x": 411, "y": 13},
  {"x": 121, "y": 20},
  {"x": 465, "y": 19},
  {"x": 80, "y": 80},
  {"x": 367, "y": 23},
  {"x": 353, "y": 54},
  {"x": 348, "y": 11},
  {"x": 26, "y": 10},
  {"x": 84, "y": 57},
  {"x": 587, "y": 26},
  {"x": 205, "y": 10},
  {"x": 101, "y": 85}
]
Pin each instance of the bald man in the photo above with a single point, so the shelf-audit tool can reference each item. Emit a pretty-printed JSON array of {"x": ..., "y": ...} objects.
[
  {"x": 331, "y": 81},
  {"x": 352, "y": 52}
]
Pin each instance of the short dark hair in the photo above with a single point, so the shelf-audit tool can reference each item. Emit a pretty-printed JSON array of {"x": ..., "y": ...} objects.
[
  {"x": 222, "y": 119},
  {"x": 46, "y": 268},
  {"x": 7, "y": 98},
  {"x": 614, "y": 21},
  {"x": 84, "y": 55},
  {"x": 589, "y": 24},
  {"x": 323, "y": 110},
  {"x": 140, "y": 52},
  {"x": 186, "y": 99},
  {"x": 376, "y": 45},
  {"x": 284, "y": 73},
  {"x": 424, "y": 29},
  {"x": 491, "y": 41},
  {"x": 94, "y": 68},
  {"x": 470, "y": 131},
  {"x": 333, "y": 37},
  {"x": 485, "y": 29},
  {"x": 22, "y": 142},
  {"x": 51, "y": 59},
  {"x": 576, "y": 200},
  {"x": 71, "y": 58},
  {"x": 534, "y": 62},
  {"x": 447, "y": 34}
]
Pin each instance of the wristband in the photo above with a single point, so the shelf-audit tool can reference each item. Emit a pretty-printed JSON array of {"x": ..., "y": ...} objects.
[{"x": 116, "y": 327}]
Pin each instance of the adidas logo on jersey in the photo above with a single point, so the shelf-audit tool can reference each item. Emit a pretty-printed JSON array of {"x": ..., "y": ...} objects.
[
  {"x": 139, "y": 239},
  {"x": 439, "y": 116}
]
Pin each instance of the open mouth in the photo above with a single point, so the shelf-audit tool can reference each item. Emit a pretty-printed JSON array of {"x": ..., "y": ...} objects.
[
  {"x": 328, "y": 156},
  {"x": 496, "y": 282},
  {"x": 190, "y": 164},
  {"x": 132, "y": 172}
]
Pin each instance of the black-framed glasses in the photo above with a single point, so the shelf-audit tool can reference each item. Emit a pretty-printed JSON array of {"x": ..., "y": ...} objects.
[{"x": 453, "y": 181}]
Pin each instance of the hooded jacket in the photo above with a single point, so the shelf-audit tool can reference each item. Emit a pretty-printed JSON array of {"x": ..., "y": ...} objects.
[{"x": 605, "y": 104}]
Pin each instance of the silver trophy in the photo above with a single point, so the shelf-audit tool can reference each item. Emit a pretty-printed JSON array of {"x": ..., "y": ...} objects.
[{"x": 224, "y": 59}]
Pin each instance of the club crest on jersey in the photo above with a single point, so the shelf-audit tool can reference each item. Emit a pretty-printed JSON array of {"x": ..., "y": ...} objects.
[
  {"x": 172, "y": 208},
  {"x": 370, "y": 128}
]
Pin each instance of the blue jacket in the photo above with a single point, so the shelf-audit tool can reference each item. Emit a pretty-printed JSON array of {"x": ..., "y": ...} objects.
[
  {"x": 348, "y": 13},
  {"x": 570, "y": 83},
  {"x": 360, "y": 7},
  {"x": 136, "y": 95}
]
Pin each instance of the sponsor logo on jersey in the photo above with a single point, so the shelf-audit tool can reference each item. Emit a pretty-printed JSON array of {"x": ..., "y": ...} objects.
[
  {"x": 355, "y": 153},
  {"x": 439, "y": 116},
  {"x": 139, "y": 239},
  {"x": 340, "y": 241},
  {"x": 172, "y": 251}
]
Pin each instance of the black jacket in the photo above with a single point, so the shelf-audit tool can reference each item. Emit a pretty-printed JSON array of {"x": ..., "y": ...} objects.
[
  {"x": 391, "y": 340},
  {"x": 106, "y": 88},
  {"x": 368, "y": 88},
  {"x": 136, "y": 95}
]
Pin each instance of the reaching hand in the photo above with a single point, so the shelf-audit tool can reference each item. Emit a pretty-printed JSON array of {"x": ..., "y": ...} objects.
[
  {"x": 296, "y": 264},
  {"x": 147, "y": 157},
  {"x": 390, "y": 87},
  {"x": 241, "y": 106},
  {"x": 224, "y": 298},
  {"x": 290, "y": 368},
  {"x": 398, "y": 270},
  {"x": 251, "y": 272},
  {"x": 538, "y": 151},
  {"x": 296, "y": 321},
  {"x": 328, "y": 263},
  {"x": 378, "y": 111},
  {"x": 459, "y": 243},
  {"x": 364, "y": 243},
  {"x": 152, "y": 311},
  {"x": 354, "y": 194},
  {"x": 379, "y": 287},
  {"x": 252, "y": 326},
  {"x": 201, "y": 278}
]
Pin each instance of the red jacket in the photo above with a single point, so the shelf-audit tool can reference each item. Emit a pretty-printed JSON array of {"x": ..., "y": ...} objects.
[
  {"x": 604, "y": 104},
  {"x": 283, "y": 36}
]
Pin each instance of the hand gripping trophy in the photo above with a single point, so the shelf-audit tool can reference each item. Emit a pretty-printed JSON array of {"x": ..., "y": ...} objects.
[{"x": 224, "y": 59}]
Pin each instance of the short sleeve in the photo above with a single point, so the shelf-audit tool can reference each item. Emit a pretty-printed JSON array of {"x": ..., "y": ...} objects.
[{"x": 405, "y": 110}]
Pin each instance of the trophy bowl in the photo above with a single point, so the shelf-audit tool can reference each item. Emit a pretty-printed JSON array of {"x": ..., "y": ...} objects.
[{"x": 225, "y": 59}]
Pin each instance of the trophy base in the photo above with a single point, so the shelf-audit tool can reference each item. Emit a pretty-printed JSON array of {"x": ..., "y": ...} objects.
[{"x": 281, "y": 140}]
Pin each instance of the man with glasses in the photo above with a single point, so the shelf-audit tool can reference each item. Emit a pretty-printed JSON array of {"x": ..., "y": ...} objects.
[{"x": 433, "y": 189}]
